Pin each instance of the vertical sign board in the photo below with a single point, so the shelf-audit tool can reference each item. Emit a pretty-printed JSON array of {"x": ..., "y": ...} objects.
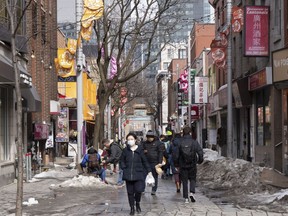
[
  {"x": 201, "y": 90},
  {"x": 179, "y": 100},
  {"x": 62, "y": 130},
  {"x": 192, "y": 83},
  {"x": 256, "y": 31}
]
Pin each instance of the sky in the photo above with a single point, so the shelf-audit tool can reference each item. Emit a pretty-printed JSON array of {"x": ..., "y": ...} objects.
[{"x": 66, "y": 11}]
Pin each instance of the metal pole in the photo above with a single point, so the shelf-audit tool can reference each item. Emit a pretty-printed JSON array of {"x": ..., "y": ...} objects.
[
  {"x": 109, "y": 118},
  {"x": 79, "y": 63},
  {"x": 189, "y": 81},
  {"x": 229, "y": 87}
]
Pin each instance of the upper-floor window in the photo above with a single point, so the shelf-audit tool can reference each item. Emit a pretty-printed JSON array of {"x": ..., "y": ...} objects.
[
  {"x": 182, "y": 53},
  {"x": 165, "y": 65},
  {"x": 34, "y": 20},
  {"x": 43, "y": 27},
  {"x": 170, "y": 53}
]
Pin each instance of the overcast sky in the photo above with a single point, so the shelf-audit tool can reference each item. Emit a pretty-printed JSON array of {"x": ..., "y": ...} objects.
[{"x": 66, "y": 11}]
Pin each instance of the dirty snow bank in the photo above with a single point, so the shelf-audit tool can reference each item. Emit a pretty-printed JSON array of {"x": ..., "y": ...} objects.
[
  {"x": 82, "y": 182},
  {"x": 238, "y": 175}
]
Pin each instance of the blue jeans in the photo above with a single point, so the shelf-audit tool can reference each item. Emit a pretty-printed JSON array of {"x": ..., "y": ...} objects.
[{"x": 120, "y": 177}]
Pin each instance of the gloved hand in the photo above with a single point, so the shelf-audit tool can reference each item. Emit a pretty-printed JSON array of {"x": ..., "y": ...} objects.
[{"x": 150, "y": 174}]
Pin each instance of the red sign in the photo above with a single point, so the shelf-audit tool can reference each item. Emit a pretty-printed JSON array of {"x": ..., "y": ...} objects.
[
  {"x": 237, "y": 19},
  {"x": 194, "y": 112},
  {"x": 256, "y": 31},
  {"x": 41, "y": 131},
  {"x": 257, "y": 80}
]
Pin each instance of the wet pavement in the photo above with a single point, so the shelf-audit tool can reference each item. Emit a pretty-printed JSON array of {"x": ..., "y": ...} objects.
[{"x": 112, "y": 201}]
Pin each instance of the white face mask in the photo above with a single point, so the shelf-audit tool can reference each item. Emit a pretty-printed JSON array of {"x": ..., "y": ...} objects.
[{"x": 131, "y": 142}]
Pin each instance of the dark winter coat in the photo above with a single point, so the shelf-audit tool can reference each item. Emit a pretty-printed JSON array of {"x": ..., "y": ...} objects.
[
  {"x": 134, "y": 164},
  {"x": 154, "y": 151},
  {"x": 115, "y": 153},
  {"x": 174, "y": 151},
  {"x": 196, "y": 149}
]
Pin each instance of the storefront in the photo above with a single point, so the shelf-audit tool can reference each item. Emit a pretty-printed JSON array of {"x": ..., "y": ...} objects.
[
  {"x": 31, "y": 102},
  {"x": 280, "y": 81},
  {"x": 262, "y": 127}
]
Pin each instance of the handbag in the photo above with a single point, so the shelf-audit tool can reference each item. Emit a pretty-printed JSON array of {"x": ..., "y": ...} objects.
[{"x": 150, "y": 181}]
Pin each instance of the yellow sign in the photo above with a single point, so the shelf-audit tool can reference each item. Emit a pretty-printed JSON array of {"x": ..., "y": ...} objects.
[
  {"x": 65, "y": 58},
  {"x": 93, "y": 4},
  {"x": 72, "y": 45}
]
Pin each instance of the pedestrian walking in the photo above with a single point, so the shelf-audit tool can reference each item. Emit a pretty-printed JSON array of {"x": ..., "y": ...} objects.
[
  {"x": 190, "y": 153},
  {"x": 134, "y": 164},
  {"x": 153, "y": 150},
  {"x": 166, "y": 168},
  {"x": 174, "y": 152}
]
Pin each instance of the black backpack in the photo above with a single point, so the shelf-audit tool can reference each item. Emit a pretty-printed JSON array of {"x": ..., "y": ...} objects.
[
  {"x": 187, "y": 152},
  {"x": 93, "y": 162}
]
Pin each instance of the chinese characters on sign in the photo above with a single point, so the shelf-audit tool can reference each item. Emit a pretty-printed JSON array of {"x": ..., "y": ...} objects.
[
  {"x": 62, "y": 126},
  {"x": 256, "y": 31},
  {"x": 41, "y": 131},
  {"x": 201, "y": 89}
]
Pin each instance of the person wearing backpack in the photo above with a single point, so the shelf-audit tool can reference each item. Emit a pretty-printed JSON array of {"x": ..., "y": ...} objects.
[
  {"x": 114, "y": 151},
  {"x": 174, "y": 152},
  {"x": 92, "y": 161},
  {"x": 190, "y": 154}
]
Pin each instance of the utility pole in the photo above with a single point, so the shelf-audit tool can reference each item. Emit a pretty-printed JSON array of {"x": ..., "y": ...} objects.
[
  {"x": 229, "y": 86},
  {"x": 189, "y": 81},
  {"x": 79, "y": 63}
]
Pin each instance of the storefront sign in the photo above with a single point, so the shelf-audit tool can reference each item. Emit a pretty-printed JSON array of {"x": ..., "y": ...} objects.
[
  {"x": 280, "y": 65},
  {"x": 256, "y": 31},
  {"x": 194, "y": 112},
  {"x": 201, "y": 90},
  {"x": 63, "y": 126},
  {"x": 260, "y": 79},
  {"x": 237, "y": 19},
  {"x": 41, "y": 131},
  {"x": 240, "y": 92},
  {"x": 25, "y": 79}
]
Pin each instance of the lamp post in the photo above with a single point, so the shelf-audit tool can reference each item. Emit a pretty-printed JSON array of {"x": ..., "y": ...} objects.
[
  {"x": 229, "y": 87},
  {"x": 79, "y": 63},
  {"x": 189, "y": 81}
]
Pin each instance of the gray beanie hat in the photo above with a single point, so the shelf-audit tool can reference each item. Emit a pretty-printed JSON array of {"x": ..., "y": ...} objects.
[{"x": 150, "y": 133}]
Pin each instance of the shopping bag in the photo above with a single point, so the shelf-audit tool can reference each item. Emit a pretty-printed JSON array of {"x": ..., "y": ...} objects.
[{"x": 150, "y": 181}]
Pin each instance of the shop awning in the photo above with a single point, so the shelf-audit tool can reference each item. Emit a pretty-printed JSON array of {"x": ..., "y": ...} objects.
[
  {"x": 32, "y": 98},
  {"x": 7, "y": 75}
]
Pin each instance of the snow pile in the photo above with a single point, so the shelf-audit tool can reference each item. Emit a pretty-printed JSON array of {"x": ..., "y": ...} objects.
[
  {"x": 83, "y": 182},
  {"x": 270, "y": 198},
  {"x": 55, "y": 174},
  {"x": 210, "y": 155},
  {"x": 31, "y": 201},
  {"x": 229, "y": 174}
]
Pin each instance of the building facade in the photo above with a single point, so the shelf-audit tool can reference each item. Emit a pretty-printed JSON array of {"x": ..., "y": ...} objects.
[
  {"x": 259, "y": 103},
  {"x": 38, "y": 82}
]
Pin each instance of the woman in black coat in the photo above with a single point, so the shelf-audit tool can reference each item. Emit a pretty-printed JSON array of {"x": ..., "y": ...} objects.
[{"x": 134, "y": 164}]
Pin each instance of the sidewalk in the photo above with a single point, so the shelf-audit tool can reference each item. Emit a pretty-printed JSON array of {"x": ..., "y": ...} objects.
[{"x": 113, "y": 201}]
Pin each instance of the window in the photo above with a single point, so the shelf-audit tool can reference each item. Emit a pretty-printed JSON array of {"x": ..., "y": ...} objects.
[
  {"x": 263, "y": 116},
  {"x": 4, "y": 143},
  {"x": 34, "y": 20},
  {"x": 165, "y": 65},
  {"x": 170, "y": 53},
  {"x": 182, "y": 53},
  {"x": 43, "y": 27},
  {"x": 277, "y": 17}
]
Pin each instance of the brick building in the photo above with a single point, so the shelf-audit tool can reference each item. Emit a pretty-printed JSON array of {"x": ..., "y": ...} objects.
[{"x": 35, "y": 43}]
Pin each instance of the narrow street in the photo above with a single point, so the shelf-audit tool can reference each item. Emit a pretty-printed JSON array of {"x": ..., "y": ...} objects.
[{"x": 110, "y": 200}]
